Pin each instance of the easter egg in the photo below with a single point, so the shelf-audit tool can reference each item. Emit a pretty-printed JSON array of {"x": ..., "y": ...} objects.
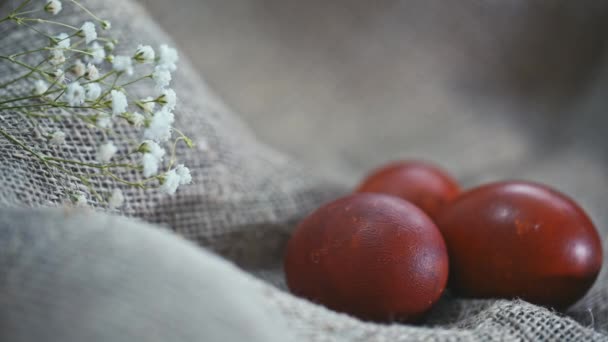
[
  {"x": 373, "y": 256},
  {"x": 425, "y": 185},
  {"x": 520, "y": 240}
]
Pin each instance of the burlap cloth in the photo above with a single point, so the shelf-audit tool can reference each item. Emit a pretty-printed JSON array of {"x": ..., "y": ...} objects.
[{"x": 75, "y": 275}]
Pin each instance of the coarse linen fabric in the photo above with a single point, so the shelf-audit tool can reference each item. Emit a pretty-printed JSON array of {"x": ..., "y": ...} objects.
[{"x": 72, "y": 274}]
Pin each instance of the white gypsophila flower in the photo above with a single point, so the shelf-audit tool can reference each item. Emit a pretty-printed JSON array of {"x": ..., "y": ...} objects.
[
  {"x": 63, "y": 41},
  {"x": 97, "y": 52},
  {"x": 148, "y": 104},
  {"x": 57, "y": 57},
  {"x": 171, "y": 182},
  {"x": 168, "y": 99},
  {"x": 75, "y": 94},
  {"x": 162, "y": 77},
  {"x": 78, "y": 69},
  {"x": 106, "y": 25},
  {"x": 137, "y": 119},
  {"x": 57, "y": 138},
  {"x": 119, "y": 102},
  {"x": 53, "y": 7},
  {"x": 160, "y": 126},
  {"x": 123, "y": 63},
  {"x": 106, "y": 151},
  {"x": 150, "y": 165},
  {"x": 104, "y": 121},
  {"x": 40, "y": 87},
  {"x": 110, "y": 46},
  {"x": 92, "y": 73},
  {"x": 184, "y": 174},
  {"x": 152, "y": 157},
  {"x": 155, "y": 149},
  {"x": 116, "y": 200},
  {"x": 58, "y": 76},
  {"x": 79, "y": 199},
  {"x": 168, "y": 58},
  {"x": 88, "y": 31},
  {"x": 144, "y": 54},
  {"x": 93, "y": 91}
]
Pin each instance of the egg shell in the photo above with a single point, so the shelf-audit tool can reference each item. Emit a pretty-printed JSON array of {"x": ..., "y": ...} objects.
[
  {"x": 422, "y": 183},
  {"x": 520, "y": 239},
  {"x": 373, "y": 256}
]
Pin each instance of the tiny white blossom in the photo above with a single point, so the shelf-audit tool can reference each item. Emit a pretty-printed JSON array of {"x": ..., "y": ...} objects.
[
  {"x": 119, "y": 102},
  {"x": 154, "y": 149},
  {"x": 104, "y": 121},
  {"x": 109, "y": 46},
  {"x": 168, "y": 99},
  {"x": 168, "y": 58},
  {"x": 106, "y": 152},
  {"x": 53, "y": 7},
  {"x": 152, "y": 157},
  {"x": 123, "y": 63},
  {"x": 171, "y": 182},
  {"x": 57, "y": 57},
  {"x": 184, "y": 174},
  {"x": 78, "y": 69},
  {"x": 63, "y": 42},
  {"x": 75, "y": 94},
  {"x": 93, "y": 91},
  {"x": 148, "y": 104},
  {"x": 57, "y": 138},
  {"x": 160, "y": 126},
  {"x": 137, "y": 119},
  {"x": 40, "y": 87},
  {"x": 92, "y": 72},
  {"x": 58, "y": 76},
  {"x": 106, "y": 25},
  {"x": 99, "y": 54},
  {"x": 162, "y": 77},
  {"x": 88, "y": 31},
  {"x": 116, "y": 200},
  {"x": 144, "y": 54},
  {"x": 79, "y": 199}
]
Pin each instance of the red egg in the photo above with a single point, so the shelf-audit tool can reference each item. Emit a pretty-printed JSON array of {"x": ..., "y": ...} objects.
[
  {"x": 520, "y": 239},
  {"x": 423, "y": 184},
  {"x": 374, "y": 256}
]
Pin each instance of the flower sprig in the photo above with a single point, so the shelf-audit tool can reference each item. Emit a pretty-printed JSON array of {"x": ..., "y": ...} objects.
[{"x": 77, "y": 73}]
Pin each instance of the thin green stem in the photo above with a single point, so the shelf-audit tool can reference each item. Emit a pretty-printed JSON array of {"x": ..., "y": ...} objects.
[
  {"x": 38, "y": 31},
  {"x": 86, "y": 10},
  {"x": 84, "y": 180},
  {"x": 52, "y": 105},
  {"x": 4, "y": 85},
  {"x": 22, "y": 145},
  {"x": 109, "y": 90},
  {"x": 22, "y": 5},
  {"x": 20, "y": 99},
  {"x": 50, "y": 22},
  {"x": 135, "y": 81},
  {"x": 96, "y": 166},
  {"x": 28, "y": 52},
  {"x": 43, "y": 116},
  {"x": 79, "y": 51},
  {"x": 26, "y": 12},
  {"x": 120, "y": 180}
]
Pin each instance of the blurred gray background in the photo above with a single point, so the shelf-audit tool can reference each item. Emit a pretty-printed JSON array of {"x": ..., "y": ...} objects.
[{"x": 494, "y": 86}]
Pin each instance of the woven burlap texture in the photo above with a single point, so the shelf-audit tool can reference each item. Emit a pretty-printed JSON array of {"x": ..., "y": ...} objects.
[{"x": 246, "y": 197}]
